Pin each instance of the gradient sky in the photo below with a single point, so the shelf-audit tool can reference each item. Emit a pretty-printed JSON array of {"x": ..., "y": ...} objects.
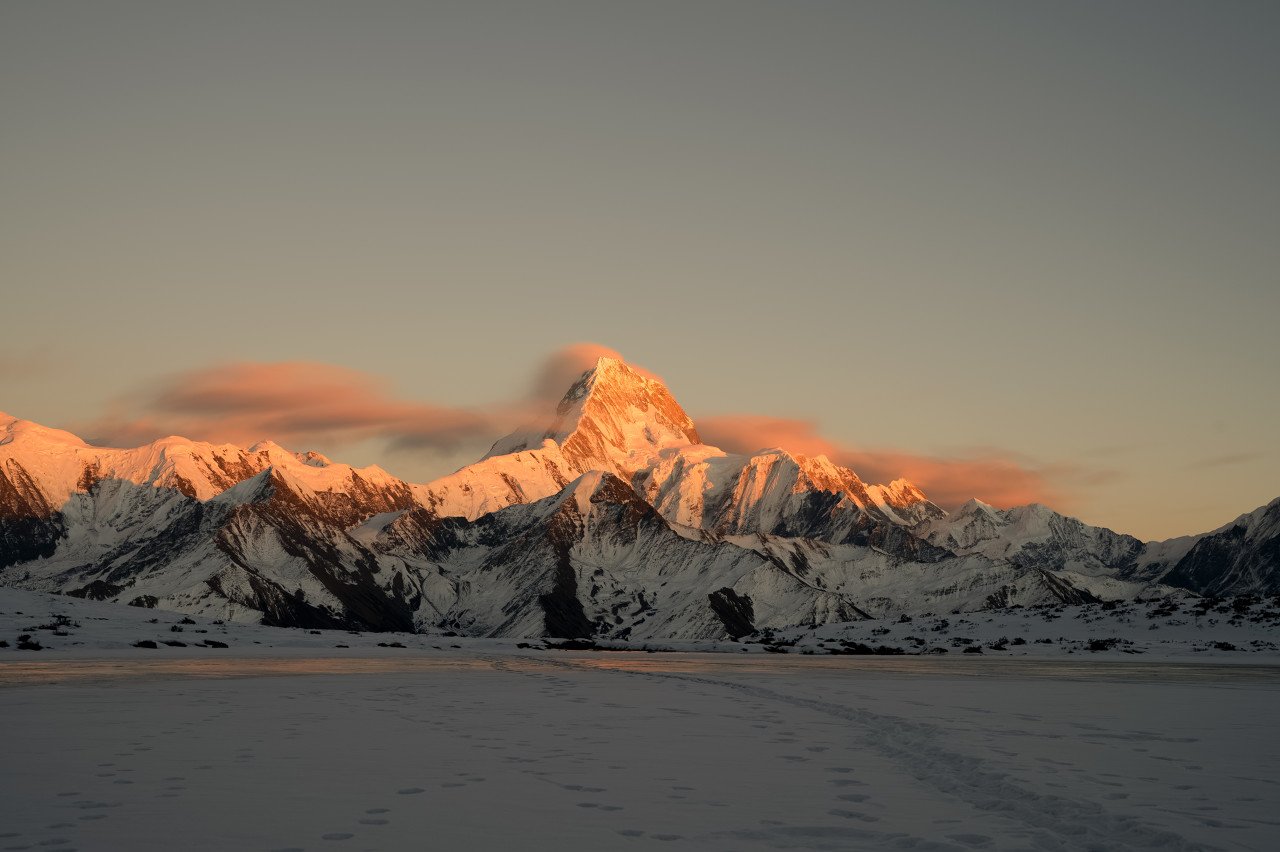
[{"x": 1047, "y": 233}]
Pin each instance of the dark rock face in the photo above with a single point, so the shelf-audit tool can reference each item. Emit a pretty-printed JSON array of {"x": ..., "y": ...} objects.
[
  {"x": 345, "y": 568},
  {"x": 1065, "y": 592},
  {"x": 279, "y": 608},
  {"x": 734, "y": 611},
  {"x": 1244, "y": 558},
  {"x": 562, "y": 613},
  {"x": 897, "y": 542},
  {"x": 1053, "y": 587},
  {"x": 98, "y": 590},
  {"x": 29, "y": 527},
  {"x": 424, "y": 534},
  {"x": 1201, "y": 571}
]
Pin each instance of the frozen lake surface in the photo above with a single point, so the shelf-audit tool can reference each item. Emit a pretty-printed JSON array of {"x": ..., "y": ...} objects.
[{"x": 475, "y": 749}]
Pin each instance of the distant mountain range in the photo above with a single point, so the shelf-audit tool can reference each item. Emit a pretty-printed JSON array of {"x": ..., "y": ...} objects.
[{"x": 614, "y": 520}]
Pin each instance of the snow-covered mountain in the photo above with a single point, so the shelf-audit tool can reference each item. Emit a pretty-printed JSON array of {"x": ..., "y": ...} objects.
[
  {"x": 1034, "y": 536},
  {"x": 185, "y": 522},
  {"x": 612, "y": 419},
  {"x": 594, "y": 559},
  {"x": 615, "y": 419},
  {"x": 611, "y": 519},
  {"x": 1240, "y": 557}
]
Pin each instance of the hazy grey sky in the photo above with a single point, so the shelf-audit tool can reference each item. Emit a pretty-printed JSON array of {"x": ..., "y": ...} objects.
[{"x": 1047, "y": 231}]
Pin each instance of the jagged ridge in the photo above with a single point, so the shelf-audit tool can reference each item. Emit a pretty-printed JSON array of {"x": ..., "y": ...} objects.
[{"x": 611, "y": 520}]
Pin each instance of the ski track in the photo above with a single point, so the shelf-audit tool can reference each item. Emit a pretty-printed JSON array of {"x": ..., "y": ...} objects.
[{"x": 1053, "y": 822}]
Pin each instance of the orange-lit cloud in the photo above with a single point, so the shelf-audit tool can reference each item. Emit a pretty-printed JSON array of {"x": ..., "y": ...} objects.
[
  {"x": 994, "y": 478},
  {"x": 295, "y": 403},
  {"x": 301, "y": 404}
]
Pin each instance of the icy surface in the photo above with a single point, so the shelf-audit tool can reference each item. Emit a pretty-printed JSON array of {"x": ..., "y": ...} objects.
[
  {"x": 478, "y": 750},
  {"x": 298, "y": 739}
]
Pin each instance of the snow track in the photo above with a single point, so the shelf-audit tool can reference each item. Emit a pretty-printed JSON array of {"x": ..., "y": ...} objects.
[{"x": 1049, "y": 821}]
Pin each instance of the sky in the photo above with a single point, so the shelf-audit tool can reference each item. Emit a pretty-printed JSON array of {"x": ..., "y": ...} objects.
[{"x": 1027, "y": 250}]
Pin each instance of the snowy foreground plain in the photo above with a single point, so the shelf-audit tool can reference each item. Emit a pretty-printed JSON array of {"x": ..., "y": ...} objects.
[{"x": 293, "y": 743}]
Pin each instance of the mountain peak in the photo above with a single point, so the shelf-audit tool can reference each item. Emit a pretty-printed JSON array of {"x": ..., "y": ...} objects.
[
  {"x": 614, "y": 418},
  {"x": 584, "y": 488},
  {"x": 973, "y": 504},
  {"x": 904, "y": 500},
  {"x": 14, "y": 428}
]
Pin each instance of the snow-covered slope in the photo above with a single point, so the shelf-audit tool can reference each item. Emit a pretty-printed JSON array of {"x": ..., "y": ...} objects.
[{"x": 1033, "y": 536}]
